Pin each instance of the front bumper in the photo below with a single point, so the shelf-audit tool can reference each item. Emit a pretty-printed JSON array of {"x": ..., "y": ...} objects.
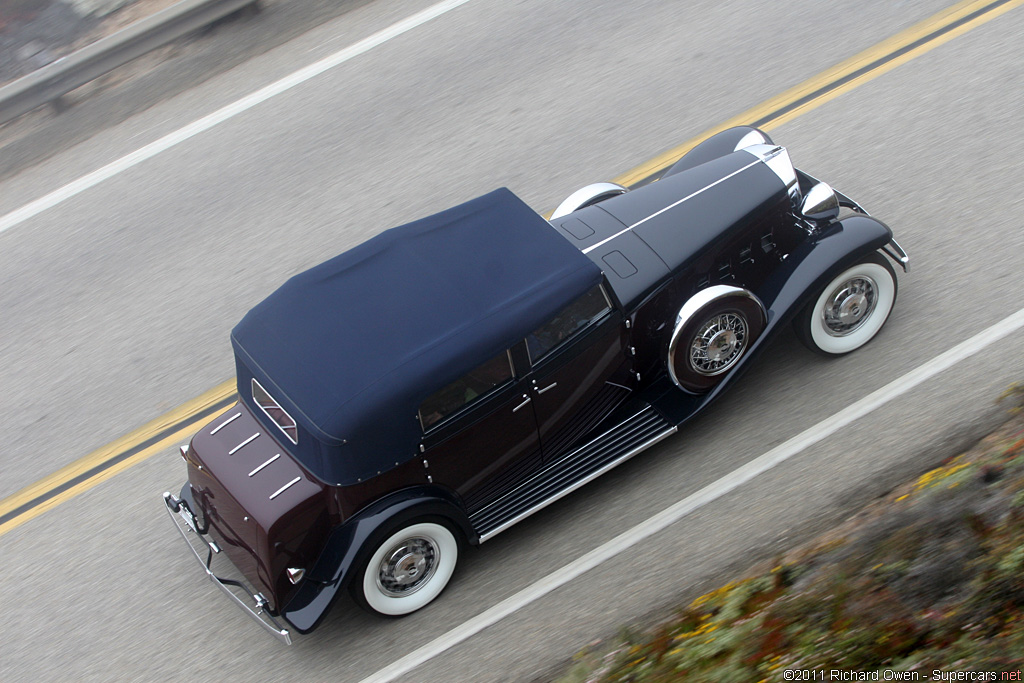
[{"x": 181, "y": 513}]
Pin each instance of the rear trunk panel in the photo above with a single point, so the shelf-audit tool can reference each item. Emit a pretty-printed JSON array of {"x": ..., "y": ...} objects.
[{"x": 265, "y": 511}]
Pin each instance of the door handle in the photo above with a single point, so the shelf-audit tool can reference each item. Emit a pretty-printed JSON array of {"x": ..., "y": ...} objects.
[
  {"x": 528, "y": 399},
  {"x": 541, "y": 391}
]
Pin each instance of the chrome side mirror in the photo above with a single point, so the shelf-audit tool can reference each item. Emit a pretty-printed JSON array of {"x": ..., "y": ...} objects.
[{"x": 820, "y": 203}]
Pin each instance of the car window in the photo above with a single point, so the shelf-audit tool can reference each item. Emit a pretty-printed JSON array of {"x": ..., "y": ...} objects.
[
  {"x": 468, "y": 389},
  {"x": 284, "y": 421},
  {"x": 576, "y": 316}
]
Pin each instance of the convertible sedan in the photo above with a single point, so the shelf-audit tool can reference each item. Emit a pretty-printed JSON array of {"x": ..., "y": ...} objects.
[{"x": 442, "y": 381}]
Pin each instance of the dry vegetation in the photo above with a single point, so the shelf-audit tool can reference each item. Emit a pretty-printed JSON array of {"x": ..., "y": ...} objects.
[{"x": 929, "y": 578}]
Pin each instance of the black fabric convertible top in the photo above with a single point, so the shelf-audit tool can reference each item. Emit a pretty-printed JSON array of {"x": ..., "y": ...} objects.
[{"x": 351, "y": 347}]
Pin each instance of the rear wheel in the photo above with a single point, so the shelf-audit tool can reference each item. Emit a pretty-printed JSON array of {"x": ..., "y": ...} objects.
[
  {"x": 407, "y": 570},
  {"x": 850, "y": 310}
]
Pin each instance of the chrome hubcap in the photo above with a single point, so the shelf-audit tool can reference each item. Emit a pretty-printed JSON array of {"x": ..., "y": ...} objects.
[
  {"x": 849, "y": 306},
  {"x": 719, "y": 343},
  {"x": 407, "y": 567}
]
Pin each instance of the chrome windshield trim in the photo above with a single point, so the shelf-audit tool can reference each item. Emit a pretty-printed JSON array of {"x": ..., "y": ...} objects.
[{"x": 587, "y": 196}]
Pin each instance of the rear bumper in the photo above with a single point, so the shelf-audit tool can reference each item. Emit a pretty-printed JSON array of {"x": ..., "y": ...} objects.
[{"x": 181, "y": 513}]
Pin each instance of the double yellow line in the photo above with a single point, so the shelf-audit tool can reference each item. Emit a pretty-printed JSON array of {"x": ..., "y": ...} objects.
[
  {"x": 178, "y": 425},
  {"x": 157, "y": 436}
]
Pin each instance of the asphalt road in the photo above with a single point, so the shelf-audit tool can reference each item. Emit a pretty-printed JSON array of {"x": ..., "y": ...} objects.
[{"x": 115, "y": 306}]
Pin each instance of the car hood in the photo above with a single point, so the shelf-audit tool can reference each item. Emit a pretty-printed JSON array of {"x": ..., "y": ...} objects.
[{"x": 641, "y": 237}]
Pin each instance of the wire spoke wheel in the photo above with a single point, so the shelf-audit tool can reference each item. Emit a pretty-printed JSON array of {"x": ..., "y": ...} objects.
[
  {"x": 714, "y": 331},
  {"x": 719, "y": 343}
]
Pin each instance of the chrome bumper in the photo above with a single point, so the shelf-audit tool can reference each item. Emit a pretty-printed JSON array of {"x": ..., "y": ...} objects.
[
  {"x": 894, "y": 251},
  {"x": 182, "y": 516}
]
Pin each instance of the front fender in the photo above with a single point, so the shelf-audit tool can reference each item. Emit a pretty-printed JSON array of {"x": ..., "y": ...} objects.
[
  {"x": 815, "y": 262},
  {"x": 347, "y": 544},
  {"x": 799, "y": 279}
]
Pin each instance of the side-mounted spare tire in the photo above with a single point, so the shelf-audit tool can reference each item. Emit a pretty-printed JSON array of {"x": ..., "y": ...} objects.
[{"x": 713, "y": 331}]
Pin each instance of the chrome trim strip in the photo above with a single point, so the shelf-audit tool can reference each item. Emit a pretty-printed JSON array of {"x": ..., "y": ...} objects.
[
  {"x": 265, "y": 464},
  {"x": 671, "y": 206},
  {"x": 222, "y": 424},
  {"x": 284, "y": 488},
  {"x": 262, "y": 618},
  {"x": 575, "y": 485},
  {"x": 239, "y": 446},
  {"x": 894, "y": 251},
  {"x": 693, "y": 305}
]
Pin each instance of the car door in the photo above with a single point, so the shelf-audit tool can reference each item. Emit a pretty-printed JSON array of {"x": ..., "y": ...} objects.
[
  {"x": 480, "y": 434},
  {"x": 581, "y": 370}
]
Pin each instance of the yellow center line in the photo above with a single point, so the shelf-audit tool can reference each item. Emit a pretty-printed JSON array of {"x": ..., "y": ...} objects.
[
  {"x": 838, "y": 72},
  {"x": 177, "y": 425},
  {"x": 181, "y": 423}
]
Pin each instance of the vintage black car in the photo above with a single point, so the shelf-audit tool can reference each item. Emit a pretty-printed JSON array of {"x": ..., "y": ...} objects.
[{"x": 447, "y": 378}]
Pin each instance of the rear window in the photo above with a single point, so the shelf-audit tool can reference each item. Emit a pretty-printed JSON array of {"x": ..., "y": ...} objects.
[
  {"x": 468, "y": 389},
  {"x": 275, "y": 412}
]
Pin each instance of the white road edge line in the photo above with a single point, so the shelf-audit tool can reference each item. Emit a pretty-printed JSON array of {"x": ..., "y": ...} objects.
[
  {"x": 708, "y": 494},
  {"x": 96, "y": 177}
]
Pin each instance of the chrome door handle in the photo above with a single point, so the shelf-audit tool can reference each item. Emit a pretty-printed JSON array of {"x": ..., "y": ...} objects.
[
  {"x": 541, "y": 391},
  {"x": 528, "y": 399}
]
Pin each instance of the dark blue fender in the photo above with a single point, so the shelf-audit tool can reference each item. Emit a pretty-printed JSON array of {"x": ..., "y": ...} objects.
[
  {"x": 799, "y": 279},
  {"x": 718, "y": 145},
  {"x": 350, "y": 542}
]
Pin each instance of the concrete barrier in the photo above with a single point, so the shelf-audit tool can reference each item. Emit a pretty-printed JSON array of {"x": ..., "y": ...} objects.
[{"x": 48, "y": 83}]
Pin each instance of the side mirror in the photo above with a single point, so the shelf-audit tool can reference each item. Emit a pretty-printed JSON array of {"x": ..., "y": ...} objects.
[{"x": 820, "y": 203}]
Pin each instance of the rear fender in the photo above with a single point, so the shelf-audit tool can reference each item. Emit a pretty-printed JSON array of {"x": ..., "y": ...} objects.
[{"x": 348, "y": 544}]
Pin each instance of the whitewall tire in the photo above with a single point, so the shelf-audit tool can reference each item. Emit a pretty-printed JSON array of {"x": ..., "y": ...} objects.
[
  {"x": 407, "y": 570},
  {"x": 851, "y": 309}
]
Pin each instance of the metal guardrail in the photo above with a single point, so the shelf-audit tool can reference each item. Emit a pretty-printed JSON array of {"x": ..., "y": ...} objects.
[{"x": 48, "y": 83}]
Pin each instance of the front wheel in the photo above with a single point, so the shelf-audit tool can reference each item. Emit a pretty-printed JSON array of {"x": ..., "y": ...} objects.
[
  {"x": 850, "y": 310},
  {"x": 407, "y": 570}
]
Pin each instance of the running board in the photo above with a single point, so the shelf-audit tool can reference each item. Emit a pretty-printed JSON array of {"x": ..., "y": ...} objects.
[{"x": 620, "y": 443}]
